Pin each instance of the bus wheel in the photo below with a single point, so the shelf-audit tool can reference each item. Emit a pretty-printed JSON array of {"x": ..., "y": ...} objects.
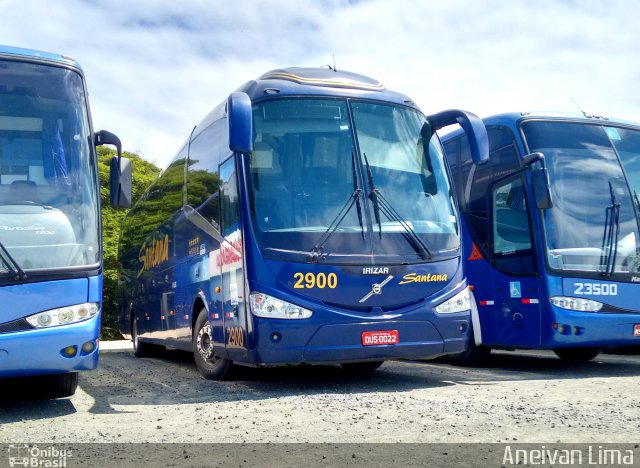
[
  {"x": 210, "y": 365},
  {"x": 361, "y": 367},
  {"x": 62, "y": 385},
  {"x": 140, "y": 348},
  {"x": 474, "y": 356},
  {"x": 577, "y": 354}
]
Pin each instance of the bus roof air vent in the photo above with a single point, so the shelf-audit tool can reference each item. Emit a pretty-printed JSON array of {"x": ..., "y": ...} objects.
[{"x": 324, "y": 77}]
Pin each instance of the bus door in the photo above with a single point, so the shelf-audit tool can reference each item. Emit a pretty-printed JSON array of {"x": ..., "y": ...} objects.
[
  {"x": 515, "y": 300},
  {"x": 168, "y": 311},
  {"x": 231, "y": 259},
  {"x": 161, "y": 306}
]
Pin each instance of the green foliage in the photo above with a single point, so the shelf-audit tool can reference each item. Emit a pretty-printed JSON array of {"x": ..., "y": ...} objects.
[{"x": 144, "y": 173}]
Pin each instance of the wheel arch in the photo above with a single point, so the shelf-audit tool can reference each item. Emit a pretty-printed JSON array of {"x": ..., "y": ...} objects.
[{"x": 199, "y": 303}]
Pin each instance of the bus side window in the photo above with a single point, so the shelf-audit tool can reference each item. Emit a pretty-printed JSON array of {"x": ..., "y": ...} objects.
[
  {"x": 230, "y": 215},
  {"x": 511, "y": 231},
  {"x": 203, "y": 182},
  {"x": 503, "y": 158}
]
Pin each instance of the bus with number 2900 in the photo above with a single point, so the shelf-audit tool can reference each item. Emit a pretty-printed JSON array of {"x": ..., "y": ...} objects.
[{"x": 307, "y": 219}]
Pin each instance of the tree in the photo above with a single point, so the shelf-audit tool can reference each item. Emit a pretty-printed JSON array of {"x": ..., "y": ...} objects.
[{"x": 144, "y": 173}]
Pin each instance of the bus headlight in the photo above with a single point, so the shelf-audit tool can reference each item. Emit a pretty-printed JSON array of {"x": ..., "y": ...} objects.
[
  {"x": 461, "y": 302},
  {"x": 574, "y": 303},
  {"x": 63, "y": 315},
  {"x": 263, "y": 305}
]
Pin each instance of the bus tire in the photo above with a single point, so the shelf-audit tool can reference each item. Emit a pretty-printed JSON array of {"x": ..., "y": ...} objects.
[
  {"x": 577, "y": 354},
  {"x": 361, "y": 367},
  {"x": 140, "y": 348},
  {"x": 211, "y": 366},
  {"x": 474, "y": 356},
  {"x": 62, "y": 385}
]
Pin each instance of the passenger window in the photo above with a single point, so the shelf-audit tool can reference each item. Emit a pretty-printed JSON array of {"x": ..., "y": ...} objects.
[
  {"x": 503, "y": 159},
  {"x": 510, "y": 230},
  {"x": 203, "y": 182},
  {"x": 230, "y": 214}
]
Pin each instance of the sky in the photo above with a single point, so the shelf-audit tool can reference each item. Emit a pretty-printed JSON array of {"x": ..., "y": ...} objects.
[{"x": 154, "y": 69}]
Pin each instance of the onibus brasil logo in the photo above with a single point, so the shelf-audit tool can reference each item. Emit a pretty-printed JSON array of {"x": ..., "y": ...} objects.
[{"x": 34, "y": 456}]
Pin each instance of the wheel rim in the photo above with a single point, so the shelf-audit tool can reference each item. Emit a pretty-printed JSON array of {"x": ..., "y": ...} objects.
[{"x": 204, "y": 344}]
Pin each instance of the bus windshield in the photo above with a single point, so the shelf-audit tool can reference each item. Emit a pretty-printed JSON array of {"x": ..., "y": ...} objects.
[
  {"x": 48, "y": 186},
  {"x": 310, "y": 171},
  {"x": 595, "y": 179}
]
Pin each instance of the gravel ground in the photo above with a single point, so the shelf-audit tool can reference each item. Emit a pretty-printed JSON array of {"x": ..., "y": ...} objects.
[{"x": 532, "y": 397}]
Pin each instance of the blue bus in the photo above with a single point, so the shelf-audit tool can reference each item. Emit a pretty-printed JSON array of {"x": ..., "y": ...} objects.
[
  {"x": 307, "y": 219},
  {"x": 50, "y": 238},
  {"x": 551, "y": 233}
]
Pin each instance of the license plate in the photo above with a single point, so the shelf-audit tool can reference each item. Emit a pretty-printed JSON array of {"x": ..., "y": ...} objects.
[
  {"x": 382, "y": 337},
  {"x": 636, "y": 329}
]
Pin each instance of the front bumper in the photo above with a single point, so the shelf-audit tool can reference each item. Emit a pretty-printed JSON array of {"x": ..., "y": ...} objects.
[{"x": 39, "y": 351}]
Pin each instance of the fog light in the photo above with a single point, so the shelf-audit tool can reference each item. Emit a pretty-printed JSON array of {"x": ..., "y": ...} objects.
[
  {"x": 276, "y": 336},
  {"x": 69, "y": 351},
  {"x": 88, "y": 347}
]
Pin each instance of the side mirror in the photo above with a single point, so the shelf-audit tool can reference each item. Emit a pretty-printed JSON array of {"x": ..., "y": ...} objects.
[
  {"x": 120, "y": 182},
  {"x": 240, "y": 123},
  {"x": 473, "y": 127},
  {"x": 120, "y": 174},
  {"x": 541, "y": 188}
]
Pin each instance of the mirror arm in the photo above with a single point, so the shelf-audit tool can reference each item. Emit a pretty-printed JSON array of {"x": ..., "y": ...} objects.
[
  {"x": 472, "y": 126},
  {"x": 104, "y": 137}
]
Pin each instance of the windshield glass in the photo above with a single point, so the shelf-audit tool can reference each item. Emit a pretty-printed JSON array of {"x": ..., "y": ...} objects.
[
  {"x": 593, "y": 225},
  {"x": 48, "y": 191},
  {"x": 406, "y": 164},
  {"x": 307, "y": 181}
]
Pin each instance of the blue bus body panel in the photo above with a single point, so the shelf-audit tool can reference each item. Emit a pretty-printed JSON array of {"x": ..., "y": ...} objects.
[
  {"x": 33, "y": 352},
  {"x": 505, "y": 319},
  {"x": 334, "y": 332},
  {"x": 612, "y": 327},
  {"x": 27, "y": 299}
]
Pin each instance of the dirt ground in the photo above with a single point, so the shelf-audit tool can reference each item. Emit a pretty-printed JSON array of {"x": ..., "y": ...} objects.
[{"x": 518, "y": 397}]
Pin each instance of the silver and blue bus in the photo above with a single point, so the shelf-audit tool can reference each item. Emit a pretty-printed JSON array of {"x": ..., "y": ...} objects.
[{"x": 50, "y": 238}]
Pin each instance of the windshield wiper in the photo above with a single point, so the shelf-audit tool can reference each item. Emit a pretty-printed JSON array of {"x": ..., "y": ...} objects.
[
  {"x": 610, "y": 234},
  {"x": 356, "y": 189},
  {"x": 11, "y": 264},
  {"x": 314, "y": 254},
  {"x": 381, "y": 204}
]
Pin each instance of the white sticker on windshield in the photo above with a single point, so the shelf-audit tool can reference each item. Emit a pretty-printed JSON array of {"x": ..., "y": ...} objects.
[
  {"x": 612, "y": 133},
  {"x": 344, "y": 127}
]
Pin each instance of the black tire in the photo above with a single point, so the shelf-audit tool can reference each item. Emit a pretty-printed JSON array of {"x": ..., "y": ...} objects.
[
  {"x": 361, "y": 367},
  {"x": 211, "y": 366},
  {"x": 577, "y": 354},
  {"x": 62, "y": 385},
  {"x": 474, "y": 356},
  {"x": 140, "y": 348}
]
